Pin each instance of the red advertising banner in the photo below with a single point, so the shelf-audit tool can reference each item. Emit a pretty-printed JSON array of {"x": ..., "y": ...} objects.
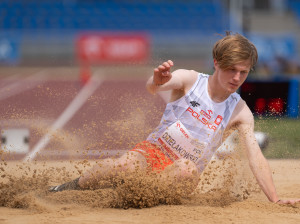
[{"x": 103, "y": 48}]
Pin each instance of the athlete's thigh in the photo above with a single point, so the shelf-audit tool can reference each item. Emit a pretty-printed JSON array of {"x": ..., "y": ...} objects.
[
  {"x": 183, "y": 168},
  {"x": 132, "y": 160}
]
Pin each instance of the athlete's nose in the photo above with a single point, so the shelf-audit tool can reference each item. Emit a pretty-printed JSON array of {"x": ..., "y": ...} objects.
[{"x": 237, "y": 77}]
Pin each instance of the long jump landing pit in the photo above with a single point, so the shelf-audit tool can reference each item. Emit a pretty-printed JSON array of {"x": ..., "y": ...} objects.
[
  {"x": 26, "y": 200},
  {"x": 227, "y": 192}
]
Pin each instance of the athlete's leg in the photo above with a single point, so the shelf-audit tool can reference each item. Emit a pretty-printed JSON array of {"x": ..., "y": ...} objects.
[
  {"x": 128, "y": 163},
  {"x": 183, "y": 172},
  {"x": 102, "y": 174}
]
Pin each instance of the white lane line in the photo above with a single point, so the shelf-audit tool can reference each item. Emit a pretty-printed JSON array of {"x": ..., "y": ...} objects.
[
  {"x": 86, "y": 91},
  {"x": 28, "y": 83},
  {"x": 9, "y": 79}
]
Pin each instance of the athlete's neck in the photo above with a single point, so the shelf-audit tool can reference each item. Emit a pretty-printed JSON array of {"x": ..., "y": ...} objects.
[{"x": 215, "y": 91}]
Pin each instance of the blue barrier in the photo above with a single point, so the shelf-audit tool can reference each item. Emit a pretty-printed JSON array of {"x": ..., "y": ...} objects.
[
  {"x": 293, "y": 98},
  {"x": 9, "y": 49}
]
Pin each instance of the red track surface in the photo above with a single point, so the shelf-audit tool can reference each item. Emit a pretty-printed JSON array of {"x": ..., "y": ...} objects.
[{"x": 116, "y": 116}]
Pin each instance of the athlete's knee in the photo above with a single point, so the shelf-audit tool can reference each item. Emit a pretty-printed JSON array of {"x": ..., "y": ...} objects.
[
  {"x": 185, "y": 169},
  {"x": 131, "y": 161},
  {"x": 183, "y": 174}
]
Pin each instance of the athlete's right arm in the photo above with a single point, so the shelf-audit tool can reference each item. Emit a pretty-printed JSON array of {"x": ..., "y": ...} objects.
[{"x": 164, "y": 80}]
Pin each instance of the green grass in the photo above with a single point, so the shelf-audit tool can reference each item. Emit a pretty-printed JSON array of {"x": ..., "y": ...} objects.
[{"x": 284, "y": 137}]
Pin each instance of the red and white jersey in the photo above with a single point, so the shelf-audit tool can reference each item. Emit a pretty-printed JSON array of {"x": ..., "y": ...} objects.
[{"x": 192, "y": 126}]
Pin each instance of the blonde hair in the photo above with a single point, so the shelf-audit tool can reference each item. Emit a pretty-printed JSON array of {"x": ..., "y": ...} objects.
[{"x": 233, "y": 49}]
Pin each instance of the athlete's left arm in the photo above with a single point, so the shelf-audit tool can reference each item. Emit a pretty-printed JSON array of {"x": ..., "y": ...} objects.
[{"x": 257, "y": 161}]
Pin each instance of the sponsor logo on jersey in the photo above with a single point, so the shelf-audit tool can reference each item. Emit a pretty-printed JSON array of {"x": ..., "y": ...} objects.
[
  {"x": 178, "y": 125},
  {"x": 194, "y": 103},
  {"x": 204, "y": 118},
  {"x": 184, "y": 153},
  {"x": 218, "y": 120}
]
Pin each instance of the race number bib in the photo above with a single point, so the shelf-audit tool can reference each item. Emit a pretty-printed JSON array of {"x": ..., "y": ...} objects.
[{"x": 176, "y": 142}]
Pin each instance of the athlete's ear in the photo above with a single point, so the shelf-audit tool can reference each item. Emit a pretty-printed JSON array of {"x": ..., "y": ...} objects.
[{"x": 215, "y": 63}]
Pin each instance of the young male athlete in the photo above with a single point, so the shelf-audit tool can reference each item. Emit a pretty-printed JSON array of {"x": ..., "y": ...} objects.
[{"x": 201, "y": 109}]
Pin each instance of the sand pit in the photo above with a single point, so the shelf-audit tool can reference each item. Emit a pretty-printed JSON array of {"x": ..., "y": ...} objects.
[{"x": 223, "y": 196}]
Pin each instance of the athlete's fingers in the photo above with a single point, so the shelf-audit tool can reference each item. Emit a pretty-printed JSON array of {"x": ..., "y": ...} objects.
[
  {"x": 171, "y": 63},
  {"x": 156, "y": 70},
  {"x": 161, "y": 73},
  {"x": 295, "y": 201},
  {"x": 166, "y": 73},
  {"x": 289, "y": 201},
  {"x": 167, "y": 65},
  {"x": 163, "y": 70}
]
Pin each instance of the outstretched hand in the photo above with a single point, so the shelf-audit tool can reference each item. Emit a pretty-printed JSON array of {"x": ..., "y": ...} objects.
[
  {"x": 288, "y": 201},
  {"x": 162, "y": 73}
]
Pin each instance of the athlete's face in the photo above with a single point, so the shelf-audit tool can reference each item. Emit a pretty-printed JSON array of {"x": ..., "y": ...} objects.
[{"x": 231, "y": 79}]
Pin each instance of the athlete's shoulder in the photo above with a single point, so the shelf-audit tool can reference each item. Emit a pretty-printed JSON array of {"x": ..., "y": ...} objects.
[
  {"x": 187, "y": 77},
  {"x": 244, "y": 113},
  {"x": 241, "y": 114},
  {"x": 185, "y": 73}
]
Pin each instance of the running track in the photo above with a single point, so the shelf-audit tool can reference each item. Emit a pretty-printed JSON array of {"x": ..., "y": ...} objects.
[{"x": 68, "y": 120}]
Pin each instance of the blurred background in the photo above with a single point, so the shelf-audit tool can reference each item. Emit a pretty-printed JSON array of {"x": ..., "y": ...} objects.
[
  {"x": 45, "y": 32},
  {"x": 131, "y": 36}
]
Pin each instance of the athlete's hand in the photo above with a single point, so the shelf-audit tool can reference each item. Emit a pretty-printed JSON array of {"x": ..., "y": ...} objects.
[
  {"x": 162, "y": 73},
  {"x": 288, "y": 201}
]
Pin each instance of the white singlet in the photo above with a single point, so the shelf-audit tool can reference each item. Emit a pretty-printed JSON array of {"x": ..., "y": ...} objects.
[{"x": 192, "y": 126}]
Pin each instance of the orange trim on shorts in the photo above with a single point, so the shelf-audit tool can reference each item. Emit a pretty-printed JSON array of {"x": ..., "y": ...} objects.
[{"x": 156, "y": 159}]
